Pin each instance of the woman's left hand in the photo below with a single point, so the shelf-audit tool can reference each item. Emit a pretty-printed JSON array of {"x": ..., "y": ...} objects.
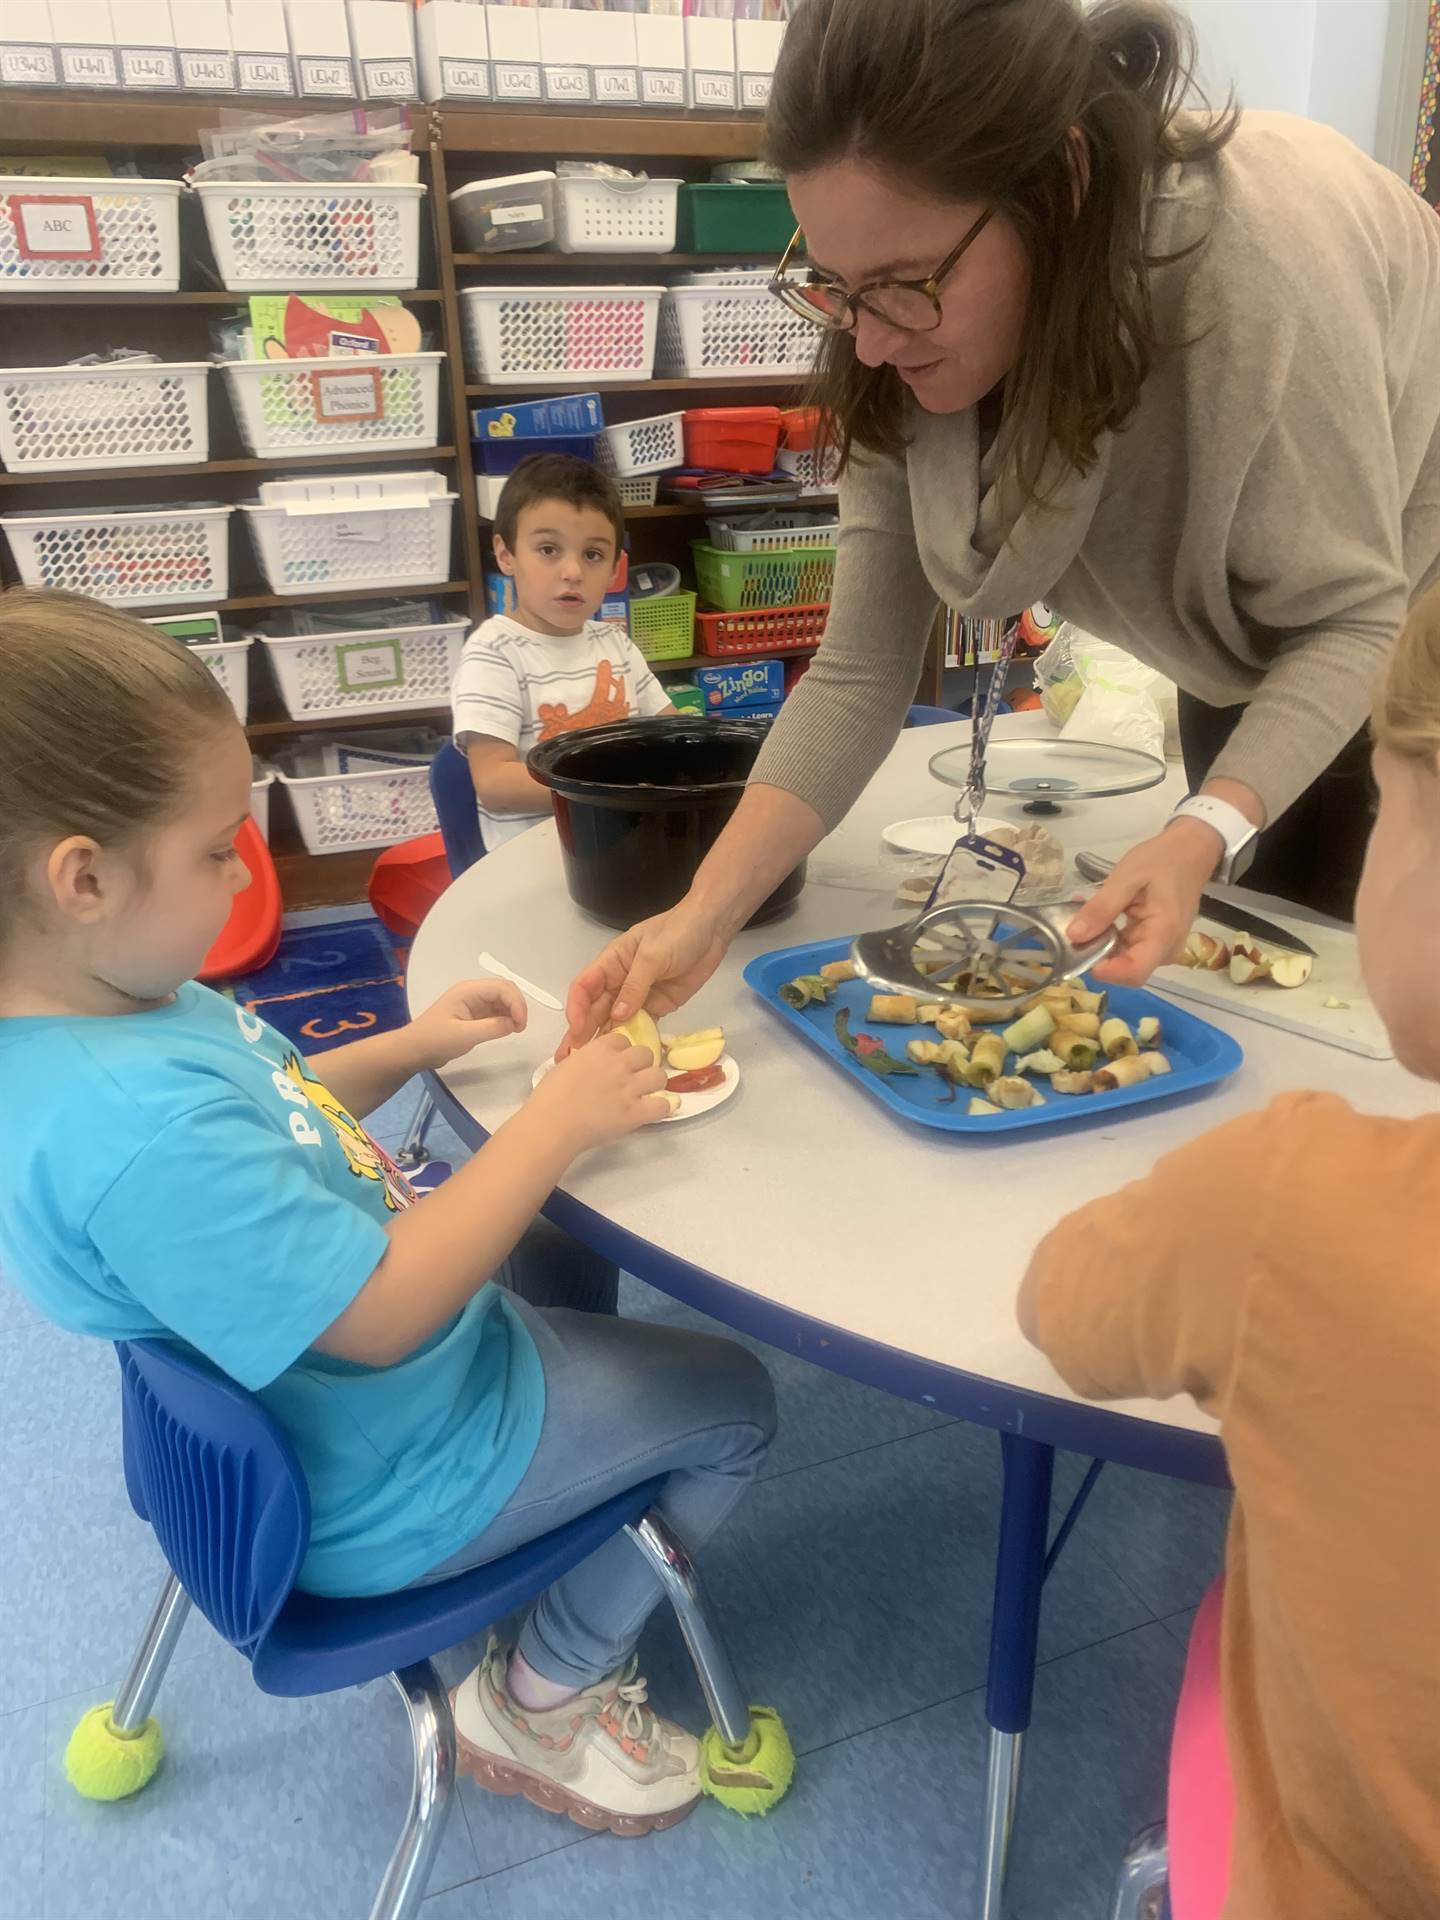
[
  {"x": 1157, "y": 888},
  {"x": 466, "y": 1016}
]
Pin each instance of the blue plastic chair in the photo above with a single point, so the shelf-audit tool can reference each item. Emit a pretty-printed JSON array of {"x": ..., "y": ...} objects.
[
  {"x": 453, "y": 792},
  {"x": 930, "y": 717},
  {"x": 219, "y": 1482}
]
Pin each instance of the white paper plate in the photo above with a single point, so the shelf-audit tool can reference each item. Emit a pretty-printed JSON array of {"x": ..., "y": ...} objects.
[
  {"x": 932, "y": 834},
  {"x": 692, "y": 1105}
]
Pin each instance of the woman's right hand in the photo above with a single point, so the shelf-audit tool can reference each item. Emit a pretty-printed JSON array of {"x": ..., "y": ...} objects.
[
  {"x": 657, "y": 965},
  {"x": 602, "y": 1092}
]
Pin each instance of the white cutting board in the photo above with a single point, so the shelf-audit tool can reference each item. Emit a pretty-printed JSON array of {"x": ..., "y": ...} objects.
[{"x": 1335, "y": 976}]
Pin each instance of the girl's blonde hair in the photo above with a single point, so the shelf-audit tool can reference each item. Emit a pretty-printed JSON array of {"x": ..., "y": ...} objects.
[
  {"x": 1406, "y": 717},
  {"x": 100, "y": 720}
]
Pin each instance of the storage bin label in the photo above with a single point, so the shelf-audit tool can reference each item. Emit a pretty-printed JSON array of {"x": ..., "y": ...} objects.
[
  {"x": 567, "y": 83},
  {"x": 27, "y": 67},
  {"x": 515, "y": 216},
  {"x": 89, "y": 67},
  {"x": 326, "y": 76},
  {"x": 359, "y": 529},
  {"x": 617, "y": 86},
  {"x": 755, "y": 89},
  {"x": 714, "y": 89},
  {"x": 465, "y": 79},
  {"x": 207, "y": 71},
  {"x": 351, "y": 395},
  {"x": 662, "y": 87},
  {"x": 388, "y": 79},
  {"x": 153, "y": 68},
  {"x": 49, "y": 227},
  {"x": 369, "y": 663},
  {"x": 516, "y": 80},
  {"x": 265, "y": 73}
]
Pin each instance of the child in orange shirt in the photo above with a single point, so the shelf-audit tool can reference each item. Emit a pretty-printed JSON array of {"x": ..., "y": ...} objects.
[{"x": 1283, "y": 1270}]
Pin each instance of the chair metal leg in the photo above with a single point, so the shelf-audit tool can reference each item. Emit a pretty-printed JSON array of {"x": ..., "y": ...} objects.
[
  {"x": 432, "y": 1730},
  {"x": 412, "y": 1151},
  {"x": 1140, "y": 1891},
  {"x": 675, "y": 1570},
  {"x": 1014, "y": 1632},
  {"x": 152, "y": 1657}
]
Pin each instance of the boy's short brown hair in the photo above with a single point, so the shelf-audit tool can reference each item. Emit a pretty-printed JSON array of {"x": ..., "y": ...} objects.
[{"x": 557, "y": 476}]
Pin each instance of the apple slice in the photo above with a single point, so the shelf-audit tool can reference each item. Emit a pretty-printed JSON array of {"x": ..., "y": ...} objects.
[
  {"x": 1248, "y": 964},
  {"x": 669, "y": 1041},
  {"x": 641, "y": 1031},
  {"x": 1291, "y": 969},
  {"x": 699, "y": 1050}
]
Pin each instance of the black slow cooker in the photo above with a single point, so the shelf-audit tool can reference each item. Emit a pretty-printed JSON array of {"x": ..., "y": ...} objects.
[{"x": 639, "y": 804}]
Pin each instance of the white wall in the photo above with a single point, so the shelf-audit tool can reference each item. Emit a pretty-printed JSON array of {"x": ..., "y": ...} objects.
[{"x": 1352, "y": 63}]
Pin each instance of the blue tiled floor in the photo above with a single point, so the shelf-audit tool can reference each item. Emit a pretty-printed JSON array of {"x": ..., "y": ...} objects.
[{"x": 855, "y": 1584}]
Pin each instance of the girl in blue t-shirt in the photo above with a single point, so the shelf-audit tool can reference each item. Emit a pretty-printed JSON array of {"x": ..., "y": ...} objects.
[{"x": 175, "y": 1167}]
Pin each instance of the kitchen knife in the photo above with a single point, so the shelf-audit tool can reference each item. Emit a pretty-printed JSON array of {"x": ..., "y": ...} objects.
[{"x": 1092, "y": 866}]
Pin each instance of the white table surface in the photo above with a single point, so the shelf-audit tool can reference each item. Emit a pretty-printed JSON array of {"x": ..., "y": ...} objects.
[{"x": 907, "y": 1244}]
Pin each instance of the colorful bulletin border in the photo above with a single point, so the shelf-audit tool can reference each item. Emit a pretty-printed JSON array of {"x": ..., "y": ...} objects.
[{"x": 1425, "y": 134}]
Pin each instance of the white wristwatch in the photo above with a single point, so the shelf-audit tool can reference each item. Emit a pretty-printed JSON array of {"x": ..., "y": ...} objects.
[{"x": 1238, "y": 834}]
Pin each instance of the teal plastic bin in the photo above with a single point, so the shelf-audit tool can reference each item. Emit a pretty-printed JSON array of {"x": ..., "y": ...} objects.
[{"x": 751, "y": 216}]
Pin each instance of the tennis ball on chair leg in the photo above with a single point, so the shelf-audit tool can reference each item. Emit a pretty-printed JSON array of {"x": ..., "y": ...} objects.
[
  {"x": 752, "y": 1778},
  {"x": 106, "y": 1765}
]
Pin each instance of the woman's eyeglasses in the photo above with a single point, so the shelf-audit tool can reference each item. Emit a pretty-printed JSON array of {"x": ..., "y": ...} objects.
[{"x": 913, "y": 306}]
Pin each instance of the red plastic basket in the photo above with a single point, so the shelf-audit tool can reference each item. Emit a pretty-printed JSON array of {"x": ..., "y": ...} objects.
[
  {"x": 763, "y": 630},
  {"x": 799, "y": 428},
  {"x": 732, "y": 439}
]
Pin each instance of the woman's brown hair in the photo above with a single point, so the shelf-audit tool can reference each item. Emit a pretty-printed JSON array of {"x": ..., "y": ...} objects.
[
  {"x": 100, "y": 721},
  {"x": 976, "y": 100}
]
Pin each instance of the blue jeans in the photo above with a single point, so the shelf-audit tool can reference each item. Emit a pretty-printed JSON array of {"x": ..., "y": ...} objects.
[{"x": 624, "y": 1402}]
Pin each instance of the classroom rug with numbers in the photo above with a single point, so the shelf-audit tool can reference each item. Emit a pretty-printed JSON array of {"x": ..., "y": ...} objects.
[{"x": 329, "y": 984}]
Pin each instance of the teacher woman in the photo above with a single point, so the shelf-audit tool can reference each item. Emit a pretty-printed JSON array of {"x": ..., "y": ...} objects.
[{"x": 1177, "y": 375}]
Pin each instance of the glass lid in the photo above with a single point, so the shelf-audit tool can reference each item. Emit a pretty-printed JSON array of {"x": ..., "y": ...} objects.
[{"x": 1054, "y": 771}]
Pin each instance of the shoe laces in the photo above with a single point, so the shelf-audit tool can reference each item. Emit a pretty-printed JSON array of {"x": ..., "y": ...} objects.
[{"x": 637, "y": 1722}]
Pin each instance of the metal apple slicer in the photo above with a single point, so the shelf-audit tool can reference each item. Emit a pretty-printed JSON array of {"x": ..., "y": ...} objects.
[{"x": 971, "y": 946}]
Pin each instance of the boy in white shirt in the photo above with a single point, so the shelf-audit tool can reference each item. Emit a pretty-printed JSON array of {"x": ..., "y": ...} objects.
[{"x": 550, "y": 667}]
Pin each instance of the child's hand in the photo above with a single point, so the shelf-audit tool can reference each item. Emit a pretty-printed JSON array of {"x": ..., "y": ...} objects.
[
  {"x": 467, "y": 1016},
  {"x": 602, "y": 1092}
]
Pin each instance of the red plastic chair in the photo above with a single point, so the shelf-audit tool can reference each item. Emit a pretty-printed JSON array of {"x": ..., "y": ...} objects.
[
  {"x": 252, "y": 933},
  {"x": 1201, "y": 1809}
]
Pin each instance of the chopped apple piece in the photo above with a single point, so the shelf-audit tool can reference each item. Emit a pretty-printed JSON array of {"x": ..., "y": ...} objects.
[
  {"x": 1147, "y": 1032},
  {"x": 1248, "y": 964},
  {"x": 1337, "y": 1006},
  {"x": 1014, "y": 1092},
  {"x": 1043, "y": 1061},
  {"x": 1128, "y": 1071},
  {"x": 669, "y": 1041},
  {"x": 700, "y": 1053},
  {"x": 1291, "y": 969},
  {"x": 977, "y": 1105},
  {"x": 1117, "y": 1039},
  {"x": 1204, "y": 952},
  {"x": 1155, "y": 1064},
  {"x": 641, "y": 1031},
  {"x": 1072, "y": 1083}
]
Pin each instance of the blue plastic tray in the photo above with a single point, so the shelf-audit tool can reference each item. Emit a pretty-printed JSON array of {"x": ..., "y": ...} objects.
[{"x": 1199, "y": 1054}]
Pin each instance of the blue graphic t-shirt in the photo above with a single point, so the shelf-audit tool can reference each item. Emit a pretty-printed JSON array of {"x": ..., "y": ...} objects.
[{"x": 183, "y": 1172}]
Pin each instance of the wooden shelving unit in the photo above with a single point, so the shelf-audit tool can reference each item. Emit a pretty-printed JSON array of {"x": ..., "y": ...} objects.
[{"x": 44, "y": 326}]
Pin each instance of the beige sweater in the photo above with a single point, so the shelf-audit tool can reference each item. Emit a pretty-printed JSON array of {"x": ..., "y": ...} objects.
[{"x": 1257, "y": 532}]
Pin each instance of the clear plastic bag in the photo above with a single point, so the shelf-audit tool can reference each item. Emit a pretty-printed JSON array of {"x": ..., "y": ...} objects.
[{"x": 1093, "y": 690}]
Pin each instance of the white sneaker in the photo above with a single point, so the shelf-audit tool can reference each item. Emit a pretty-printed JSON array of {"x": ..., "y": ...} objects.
[{"x": 605, "y": 1758}]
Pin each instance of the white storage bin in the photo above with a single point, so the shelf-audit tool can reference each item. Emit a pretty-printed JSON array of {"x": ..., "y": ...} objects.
[
  {"x": 377, "y": 533},
  {"x": 594, "y": 215},
  {"x": 638, "y": 493},
  {"x": 262, "y": 779},
  {"x": 70, "y": 419},
  {"x": 277, "y": 237},
  {"x": 166, "y": 556},
  {"x": 655, "y": 445},
  {"x": 369, "y": 805},
  {"x": 773, "y": 533},
  {"x": 497, "y": 216},
  {"x": 336, "y": 403},
  {"x": 818, "y": 471},
  {"x": 122, "y": 235},
  {"x": 229, "y": 661},
  {"x": 560, "y": 336},
  {"x": 706, "y": 330},
  {"x": 371, "y": 670}
]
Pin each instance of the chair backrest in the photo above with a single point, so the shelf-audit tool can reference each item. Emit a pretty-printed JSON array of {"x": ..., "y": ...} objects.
[
  {"x": 220, "y": 1484},
  {"x": 929, "y": 717},
  {"x": 453, "y": 792}
]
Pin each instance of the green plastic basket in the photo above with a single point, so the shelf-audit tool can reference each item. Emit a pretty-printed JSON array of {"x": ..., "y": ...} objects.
[
  {"x": 663, "y": 626},
  {"x": 719, "y": 218},
  {"x": 791, "y": 577}
]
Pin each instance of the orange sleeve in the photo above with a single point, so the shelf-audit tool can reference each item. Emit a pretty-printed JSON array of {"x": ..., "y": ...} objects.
[{"x": 1144, "y": 1293}]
